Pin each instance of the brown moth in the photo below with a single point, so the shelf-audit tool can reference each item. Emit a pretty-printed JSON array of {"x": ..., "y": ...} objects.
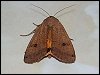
[{"x": 50, "y": 40}]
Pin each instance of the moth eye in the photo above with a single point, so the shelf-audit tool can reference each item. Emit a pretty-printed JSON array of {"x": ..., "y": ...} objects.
[
  {"x": 35, "y": 45},
  {"x": 63, "y": 44}
]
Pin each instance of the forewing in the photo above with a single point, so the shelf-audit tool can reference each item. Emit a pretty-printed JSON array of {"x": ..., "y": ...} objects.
[
  {"x": 62, "y": 47},
  {"x": 36, "y": 49}
]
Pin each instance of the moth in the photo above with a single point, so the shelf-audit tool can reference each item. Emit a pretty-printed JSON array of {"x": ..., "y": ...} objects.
[{"x": 50, "y": 40}]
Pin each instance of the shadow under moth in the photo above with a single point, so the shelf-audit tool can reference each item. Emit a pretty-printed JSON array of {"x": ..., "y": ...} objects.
[{"x": 50, "y": 40}]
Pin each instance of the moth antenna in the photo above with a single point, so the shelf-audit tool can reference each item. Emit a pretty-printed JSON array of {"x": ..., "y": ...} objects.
[
  {"x": 42, "y": 9},
  {"x": 63, "y": 9},
  {"x": 29, "y": 33}
]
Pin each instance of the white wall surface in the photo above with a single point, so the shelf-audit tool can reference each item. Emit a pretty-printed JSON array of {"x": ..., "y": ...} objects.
[{"x": 80, "y": 21}]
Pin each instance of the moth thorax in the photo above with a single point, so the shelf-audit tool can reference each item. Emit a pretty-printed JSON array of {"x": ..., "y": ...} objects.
[{"x": 50, "y": 26}]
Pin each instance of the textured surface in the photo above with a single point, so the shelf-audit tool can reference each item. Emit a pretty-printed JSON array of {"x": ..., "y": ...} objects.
[{"x": 82, "y": 26}]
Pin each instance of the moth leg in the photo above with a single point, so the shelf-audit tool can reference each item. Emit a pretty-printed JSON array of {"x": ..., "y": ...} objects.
[
  {"x": 32, "y": 31},
  {"x": 36, "y": 25},
  {"x": 29, "y": 33},
  {"x": 72, "y": 39}
]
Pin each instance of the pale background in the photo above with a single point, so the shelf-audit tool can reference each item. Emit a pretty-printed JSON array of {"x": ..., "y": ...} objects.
[{"x": 81, "y": 23}]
